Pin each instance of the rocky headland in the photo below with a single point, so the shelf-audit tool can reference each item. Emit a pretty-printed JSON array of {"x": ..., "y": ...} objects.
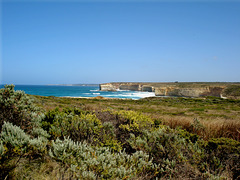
[{"x": 180, "y": 89}]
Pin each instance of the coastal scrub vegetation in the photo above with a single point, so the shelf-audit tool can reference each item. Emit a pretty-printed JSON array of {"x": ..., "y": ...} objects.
[{"x": 152, "y": 138}]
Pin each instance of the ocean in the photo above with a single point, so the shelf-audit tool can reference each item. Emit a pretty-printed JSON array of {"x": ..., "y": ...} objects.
[{"x": 79, "y": 91}]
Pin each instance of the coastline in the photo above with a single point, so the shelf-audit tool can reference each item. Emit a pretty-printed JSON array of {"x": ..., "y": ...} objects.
[
  {"x": 90, "y": 92},
  {"x": 179, "y": 89},
  {"x": 98, "y": 97}
]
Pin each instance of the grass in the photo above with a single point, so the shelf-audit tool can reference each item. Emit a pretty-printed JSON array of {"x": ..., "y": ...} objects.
[{"x": 220, "y": 117}]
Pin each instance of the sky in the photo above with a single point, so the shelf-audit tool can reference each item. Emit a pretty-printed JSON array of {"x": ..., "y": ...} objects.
[{"x": 72, "y": 42}]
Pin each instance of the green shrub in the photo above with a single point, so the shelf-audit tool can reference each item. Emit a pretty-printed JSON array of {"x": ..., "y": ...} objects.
[
  {"x": 81, "y": 126},
  {"x": 221, "y": 154},
  {"x": 107, "y": 137},
  {"x": 187, "y": 135},
  {"x": 77, "y": 127},
  {"x": 21, "y": 134},
  {"x": 75, "y": 111},
  {"x": 124, "y": 123},
  {"x": 14, "y": 136},
  {"x": 163, "y": 145},
  {"x": 174, "y": 150},
  {"x": 197, "y": 126},
  {"x": 18, "y": 141},
  {"x": 2, "y": 149},
  {"x": 224, "y": 144},
  {"x": 101, "y": 162},
  {"x": 48, "y": 119},
  {"x": 15, "y": 144},
  {"x": 157, "y": 122},
  {"x": 16, "y": 107},
  {"x": 136, "y": 122}
]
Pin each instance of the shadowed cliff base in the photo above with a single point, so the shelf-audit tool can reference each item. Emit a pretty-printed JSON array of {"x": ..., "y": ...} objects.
[{"x": 180, "y": 89}]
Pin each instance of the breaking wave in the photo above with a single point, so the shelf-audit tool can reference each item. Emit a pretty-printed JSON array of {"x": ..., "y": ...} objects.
[{"x": 81, "y": 91}]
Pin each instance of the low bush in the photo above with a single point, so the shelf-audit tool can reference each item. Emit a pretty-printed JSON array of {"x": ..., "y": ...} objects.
[
  {"x": 107, "y": 137},
  {"x": 16, "y": 107},
  {"x": 167, "y": 149},
  {"x": 78, "y": 127},
  {"x": 135, "y": 122},
  {"x": 93, "y": 163},
  {"x": 16, "y": 143},
  {"x": 222, "y": 154},
  {"x": 187, "y": 135}
]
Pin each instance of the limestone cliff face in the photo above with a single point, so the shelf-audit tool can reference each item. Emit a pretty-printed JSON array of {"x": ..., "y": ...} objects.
[
  {"x": 126, "y": 86},
  {"x": 189, "y": 92},
  {"x": 109, "y": 87},
  {"x": 148, "y": 88},
  {"x": 131, "y": 87},
  {"x": 170, "y": 89}
]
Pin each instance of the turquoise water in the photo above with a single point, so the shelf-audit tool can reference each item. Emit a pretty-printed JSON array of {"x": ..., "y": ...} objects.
[{"x": 79, "y": 91}]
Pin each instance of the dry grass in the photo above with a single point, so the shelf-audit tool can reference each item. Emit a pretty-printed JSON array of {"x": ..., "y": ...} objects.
[
  {"x": 39, "y": 170},
  {"x": 222, "y": 128},
  {"x": 210, "y": 129}
]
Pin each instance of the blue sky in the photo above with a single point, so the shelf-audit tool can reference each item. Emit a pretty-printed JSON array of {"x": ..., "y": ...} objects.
[{"x": 54, "y": 42}]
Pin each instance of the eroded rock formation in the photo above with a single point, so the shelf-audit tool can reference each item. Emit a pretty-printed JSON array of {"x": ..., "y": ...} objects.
[{"x": 171, "y": 89}]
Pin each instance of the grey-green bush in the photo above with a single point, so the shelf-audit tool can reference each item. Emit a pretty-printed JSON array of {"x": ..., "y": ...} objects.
[
  {"x": 16, "y": 107},
  {"x": 91, "y": 162}
]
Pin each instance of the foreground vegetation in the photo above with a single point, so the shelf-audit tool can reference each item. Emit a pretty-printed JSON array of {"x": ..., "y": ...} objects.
[
  {"x": 218, "y": 117},
  {"x": 152, "y": 138}
]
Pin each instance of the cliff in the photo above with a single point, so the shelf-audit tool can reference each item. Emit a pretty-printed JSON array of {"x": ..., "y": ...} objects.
[
  {"x": 193, "y": 89},
  {"x": 190, "y": 92},
  {"x": 126, "y": 86}
]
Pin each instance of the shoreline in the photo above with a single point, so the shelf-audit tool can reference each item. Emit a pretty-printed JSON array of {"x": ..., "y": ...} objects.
[{"x": 99, "y": 97}]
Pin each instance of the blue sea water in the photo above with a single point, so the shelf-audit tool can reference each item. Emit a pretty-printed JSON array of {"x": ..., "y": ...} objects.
[{"x": 79, "y": 91}]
